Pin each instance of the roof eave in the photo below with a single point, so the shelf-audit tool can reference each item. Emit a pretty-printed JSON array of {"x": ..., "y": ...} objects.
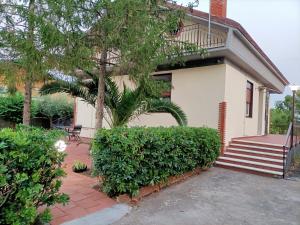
[{"x": 231, "y": 24}]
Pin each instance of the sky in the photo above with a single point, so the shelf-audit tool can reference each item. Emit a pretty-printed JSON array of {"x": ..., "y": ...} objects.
[{"x": 275, "y": 26}]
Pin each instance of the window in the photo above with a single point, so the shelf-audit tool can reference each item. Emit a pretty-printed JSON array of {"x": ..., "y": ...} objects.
[
  {"x": 249, "y": 99},
  {"x": 167, "y": 77}
]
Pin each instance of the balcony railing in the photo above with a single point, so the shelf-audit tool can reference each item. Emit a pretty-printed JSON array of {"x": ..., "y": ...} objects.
[
  {"x": 198, "y": 35},
  {"x": 195, "y": 34}
]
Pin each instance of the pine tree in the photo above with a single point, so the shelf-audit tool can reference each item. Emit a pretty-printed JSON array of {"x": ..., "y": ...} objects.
[
  {"x": 131, "y": 37},
  {"x": 37, "y": 36},
  {"x": 114, "y": 37}
]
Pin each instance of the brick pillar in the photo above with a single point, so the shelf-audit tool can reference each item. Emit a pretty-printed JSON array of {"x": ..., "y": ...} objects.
[
  {"x": 222, "y": 124},
  {"x": 218, "y": 8}
]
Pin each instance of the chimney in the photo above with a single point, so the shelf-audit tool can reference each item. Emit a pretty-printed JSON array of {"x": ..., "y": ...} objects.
[{"x": 218, "y": 8}]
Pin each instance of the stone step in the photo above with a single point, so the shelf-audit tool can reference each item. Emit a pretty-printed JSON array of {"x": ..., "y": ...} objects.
[
  {"x": 255, "y": 143},
  {"x": 255, "y": 153},
  {"x": 249, "y": 163},
  {"x": 248, "y": 169},
  {"x": 256, "y": 148},
  {"x": 254, "y": 158}
]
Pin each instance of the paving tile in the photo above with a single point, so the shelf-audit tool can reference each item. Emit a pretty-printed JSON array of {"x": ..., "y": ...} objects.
[
  {"x": 97, "y": 195},
  {"x": 60, "y": 220},
  {"x": 77, "y": 196},
  {"x": 86, "y": 190},
  {"x": 87, "y": 203},
  {"x": 66, "y": 207},
  {"x": 56, "y": 212},
  {"x": 77, "y": 212},
  {"x": 84, "y": 198},
  {"x": 100, "y": 206}
]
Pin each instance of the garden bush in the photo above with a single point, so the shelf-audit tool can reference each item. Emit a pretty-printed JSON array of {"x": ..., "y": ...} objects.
[
  {"x": 29, "y": 175},
  {"x": 51, "y": 108},
  {"x": 130, "y": 158},
  {"x": 11, "y": 108}
]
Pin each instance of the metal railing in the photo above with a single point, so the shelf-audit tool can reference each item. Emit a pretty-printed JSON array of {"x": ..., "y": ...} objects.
[
  {"x": 195, "y": 34},
  {"x": 198, "y": 35},
  {"x": 286, "y": 157},
  {"x": 292, "y": 144}
]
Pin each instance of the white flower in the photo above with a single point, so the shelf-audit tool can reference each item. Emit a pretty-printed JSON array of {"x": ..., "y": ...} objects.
[{"x": 60, "y": 146}]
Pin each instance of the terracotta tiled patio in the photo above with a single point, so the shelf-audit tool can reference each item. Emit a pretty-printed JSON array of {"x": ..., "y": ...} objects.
[
  {"x": 84, "y": 197},
  {"x": 269, "y": 139}
]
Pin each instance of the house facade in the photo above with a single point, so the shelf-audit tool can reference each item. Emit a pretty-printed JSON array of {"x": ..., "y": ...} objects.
[{"x": 227, "y": 90}]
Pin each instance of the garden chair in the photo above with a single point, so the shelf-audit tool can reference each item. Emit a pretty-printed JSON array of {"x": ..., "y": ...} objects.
[{"x": 75, "y": 132}]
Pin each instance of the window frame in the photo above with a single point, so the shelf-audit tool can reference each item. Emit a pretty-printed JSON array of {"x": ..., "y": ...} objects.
[{"x": 249, "y": 103}]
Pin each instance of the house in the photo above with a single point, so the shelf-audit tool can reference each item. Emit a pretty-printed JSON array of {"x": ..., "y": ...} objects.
[{"x": 228, "y": 90}]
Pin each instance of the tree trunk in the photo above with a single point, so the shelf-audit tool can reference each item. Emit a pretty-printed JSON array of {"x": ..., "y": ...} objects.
[
  {"x": 28, "y": 80},
  {"x": 101, "y": 91},
  {"x": 51, "y": 122},
  {"x": 27, "y": 102},
  {"x": 101, "y": 81}
]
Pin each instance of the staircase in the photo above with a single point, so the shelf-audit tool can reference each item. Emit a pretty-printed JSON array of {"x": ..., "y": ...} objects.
[{"x": 253, "y": 157}]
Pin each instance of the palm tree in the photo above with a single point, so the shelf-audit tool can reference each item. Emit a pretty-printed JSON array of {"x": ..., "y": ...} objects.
[{"x": 121, "y": 106}]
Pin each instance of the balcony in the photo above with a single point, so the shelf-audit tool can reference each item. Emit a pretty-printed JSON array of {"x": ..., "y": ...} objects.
[{"x": 196, "y": 34}]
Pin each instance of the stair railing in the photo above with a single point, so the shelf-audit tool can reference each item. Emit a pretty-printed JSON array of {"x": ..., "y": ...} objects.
[
  {"x": 286, "y": 159},
  {"x": 291, "y": 147}
]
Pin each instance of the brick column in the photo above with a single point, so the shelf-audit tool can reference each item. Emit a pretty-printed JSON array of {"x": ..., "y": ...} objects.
[{"x": 222, "y": 124}]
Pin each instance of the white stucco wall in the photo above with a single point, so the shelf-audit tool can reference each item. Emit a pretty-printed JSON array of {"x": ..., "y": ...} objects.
[
  {"x": 198, "y": 91},
  {"x": 85, "y": 116},
  {"x": 237, "y": 124}
]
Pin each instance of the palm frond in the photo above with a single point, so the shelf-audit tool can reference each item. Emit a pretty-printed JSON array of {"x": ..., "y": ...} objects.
[
  {"x": 161, "y": 105},
  {"x": 69, "y": 88},
  {"x": 112, "y": 93},
  {"x": 120, "y": 106},
  {"x": 129, "y": 102}
]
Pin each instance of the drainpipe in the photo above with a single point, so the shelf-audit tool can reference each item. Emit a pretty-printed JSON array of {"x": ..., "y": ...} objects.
[
  {"x": 209, "y": 23},
  {"x": 267, "y": 112},
  {"x": 293, "y": 119}
]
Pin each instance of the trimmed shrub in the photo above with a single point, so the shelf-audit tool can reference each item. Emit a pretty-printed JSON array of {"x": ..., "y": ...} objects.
[
  {"x": 130, "y": 158},
  {"x": 49, "y": 108},
  {"x": 11, "y": 108},
  {"x": 29, "y": 174},
  {"x": 52, "y": 108}
]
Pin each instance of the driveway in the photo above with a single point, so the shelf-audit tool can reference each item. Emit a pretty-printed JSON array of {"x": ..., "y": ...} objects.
[{"x": 221, "y": 197}]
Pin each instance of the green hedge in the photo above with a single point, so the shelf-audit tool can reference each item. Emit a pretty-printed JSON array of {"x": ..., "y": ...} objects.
[
  {"x": 11, "y": 108},
  {"x": 29, "y": 174},
  {"x": 130, "y": 158}
]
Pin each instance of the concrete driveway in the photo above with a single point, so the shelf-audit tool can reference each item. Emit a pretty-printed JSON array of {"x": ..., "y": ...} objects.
[{"x": 221, "y": 197}]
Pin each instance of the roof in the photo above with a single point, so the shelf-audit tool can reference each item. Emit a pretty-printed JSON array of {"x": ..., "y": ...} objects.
[{"x": 233, "y": 24}]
